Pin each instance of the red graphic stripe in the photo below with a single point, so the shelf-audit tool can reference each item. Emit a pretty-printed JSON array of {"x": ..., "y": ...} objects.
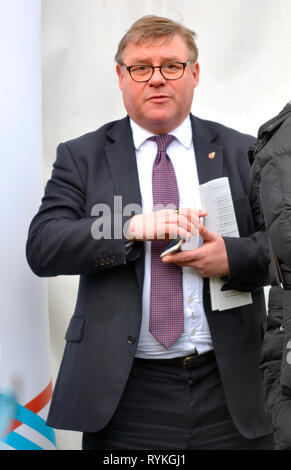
[
  {"x": 36, "y": 404},
  {"x": 39, "y": 402}
]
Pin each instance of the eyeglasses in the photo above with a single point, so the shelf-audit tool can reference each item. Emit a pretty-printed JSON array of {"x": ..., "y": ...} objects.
[{"x": 170, "y": 71}]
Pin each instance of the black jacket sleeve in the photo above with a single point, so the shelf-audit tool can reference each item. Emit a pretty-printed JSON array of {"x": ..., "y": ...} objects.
[{"x": 61, "y": 235}]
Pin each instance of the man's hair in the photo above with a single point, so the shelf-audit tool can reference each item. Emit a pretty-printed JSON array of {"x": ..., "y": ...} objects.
[{"x": 151, "y": 27}]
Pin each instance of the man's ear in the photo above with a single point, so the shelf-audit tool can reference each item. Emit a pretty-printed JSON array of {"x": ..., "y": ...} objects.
[
  {"x": 196, "y": 73},
  {"x": 120, "y": 74}
]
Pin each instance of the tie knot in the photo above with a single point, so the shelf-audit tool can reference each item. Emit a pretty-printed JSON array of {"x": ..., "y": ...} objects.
[{"x": 163, "y": 141}]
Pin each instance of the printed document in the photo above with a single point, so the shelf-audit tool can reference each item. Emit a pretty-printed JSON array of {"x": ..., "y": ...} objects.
[{"x": 217, "y": 200}]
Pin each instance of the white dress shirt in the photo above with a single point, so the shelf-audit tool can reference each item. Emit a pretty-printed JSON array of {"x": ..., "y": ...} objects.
[{"x": 196, "y": 330}]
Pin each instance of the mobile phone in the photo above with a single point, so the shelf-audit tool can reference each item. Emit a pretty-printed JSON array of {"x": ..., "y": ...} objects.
[{"x": 172, "y": 247}]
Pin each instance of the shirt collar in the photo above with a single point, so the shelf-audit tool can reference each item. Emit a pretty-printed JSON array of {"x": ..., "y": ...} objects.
[{"x": 183, "y": 133}]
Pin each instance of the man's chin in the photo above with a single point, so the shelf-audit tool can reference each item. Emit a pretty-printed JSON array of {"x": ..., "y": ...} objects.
[
  {"x": 158, "y": 119},
  {"x": 161, "y": 123}
]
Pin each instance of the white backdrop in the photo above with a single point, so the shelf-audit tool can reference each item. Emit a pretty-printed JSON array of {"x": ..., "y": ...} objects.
[
  {"x": 24, "y": 335},
  {"x": 245, "y": 50}
]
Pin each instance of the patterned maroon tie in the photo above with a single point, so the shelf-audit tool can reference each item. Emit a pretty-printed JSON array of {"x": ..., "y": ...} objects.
[{"x": 166, "y": 301}]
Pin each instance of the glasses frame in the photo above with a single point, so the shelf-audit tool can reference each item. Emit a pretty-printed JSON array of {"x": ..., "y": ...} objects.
[{"x": 153, "y": 67}]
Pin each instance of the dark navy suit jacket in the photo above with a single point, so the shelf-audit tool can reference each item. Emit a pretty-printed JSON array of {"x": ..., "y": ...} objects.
[{"x": 104, "y": 330}]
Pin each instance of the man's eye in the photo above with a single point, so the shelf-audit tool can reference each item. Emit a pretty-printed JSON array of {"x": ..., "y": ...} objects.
[
  {"x": 140, "y": 68},
  {"x": 173, "y": 67}
]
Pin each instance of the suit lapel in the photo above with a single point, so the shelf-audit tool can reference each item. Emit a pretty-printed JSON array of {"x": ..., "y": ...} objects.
[
  {"x": 208, "y": 154},
  {"x": 122, "y": 164}
]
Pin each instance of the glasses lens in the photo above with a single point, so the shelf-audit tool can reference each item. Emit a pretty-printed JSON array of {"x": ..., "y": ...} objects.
[
  {"x": 141, "y": 73},
  {"x": 170, "y": 71},
  {"x": 173, "y": 70}
]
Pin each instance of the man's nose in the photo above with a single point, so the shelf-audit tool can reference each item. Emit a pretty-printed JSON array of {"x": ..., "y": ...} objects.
[{"x": 157, "y": 78}]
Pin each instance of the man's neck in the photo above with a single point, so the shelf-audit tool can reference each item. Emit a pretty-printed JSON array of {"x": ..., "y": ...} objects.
[{"x": 159, "y": 129}]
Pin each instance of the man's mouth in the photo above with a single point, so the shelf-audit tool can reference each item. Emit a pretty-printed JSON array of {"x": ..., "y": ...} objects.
[{"x": 158, "y": 98}]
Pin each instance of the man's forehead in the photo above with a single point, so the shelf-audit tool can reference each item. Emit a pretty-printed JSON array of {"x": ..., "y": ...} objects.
[
  {"x": 153, "y": 40},
  {"x": 168, "y": 46}
]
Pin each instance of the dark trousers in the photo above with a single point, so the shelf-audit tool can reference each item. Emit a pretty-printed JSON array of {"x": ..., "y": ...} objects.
[{"x": 168, "y": 407}]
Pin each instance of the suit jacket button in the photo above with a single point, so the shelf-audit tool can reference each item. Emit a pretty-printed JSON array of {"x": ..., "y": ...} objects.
[{"x": 131, "y": 340}]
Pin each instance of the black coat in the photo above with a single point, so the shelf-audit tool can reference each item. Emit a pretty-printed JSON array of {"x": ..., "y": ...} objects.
[
  {"x": 271, "y": 173},
  {"x": 104, "y": 330}
]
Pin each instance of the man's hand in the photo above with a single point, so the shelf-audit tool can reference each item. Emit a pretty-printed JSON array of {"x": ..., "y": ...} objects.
[
  {"x": 210, "y": 259},
  {"x": 164, "y": 225}
]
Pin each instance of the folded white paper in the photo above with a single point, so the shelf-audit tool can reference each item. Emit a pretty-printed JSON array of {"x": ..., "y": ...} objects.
[{"x": 216, "y": 199}]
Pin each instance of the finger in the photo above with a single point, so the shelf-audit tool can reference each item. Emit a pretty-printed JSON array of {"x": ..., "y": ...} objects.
[
  {"x": 172, "y": 259},
  {"x": 193, "y": 216},
  {"x": 203, "y": 213},
  {"x": 175, "y": 231},
  {"x": 189, "y": 219},
  {"x": 189, "y": 224},
  {"x": 172, "y": 217},
  {"x": 168, "y": 216},
  {"x": 183, "y": 257},
  {"x": 206, "y": 234}
]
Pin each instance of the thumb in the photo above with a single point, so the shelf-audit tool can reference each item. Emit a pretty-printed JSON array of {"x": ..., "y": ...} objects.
[{"x": 206, "y": 234}]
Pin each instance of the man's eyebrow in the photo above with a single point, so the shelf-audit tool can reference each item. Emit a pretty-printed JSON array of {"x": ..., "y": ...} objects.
[{"x": 147, "y": 60}]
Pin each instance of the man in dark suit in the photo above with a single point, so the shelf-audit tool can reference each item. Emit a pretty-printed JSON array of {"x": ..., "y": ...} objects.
[{"x": 148, "y": 364}]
